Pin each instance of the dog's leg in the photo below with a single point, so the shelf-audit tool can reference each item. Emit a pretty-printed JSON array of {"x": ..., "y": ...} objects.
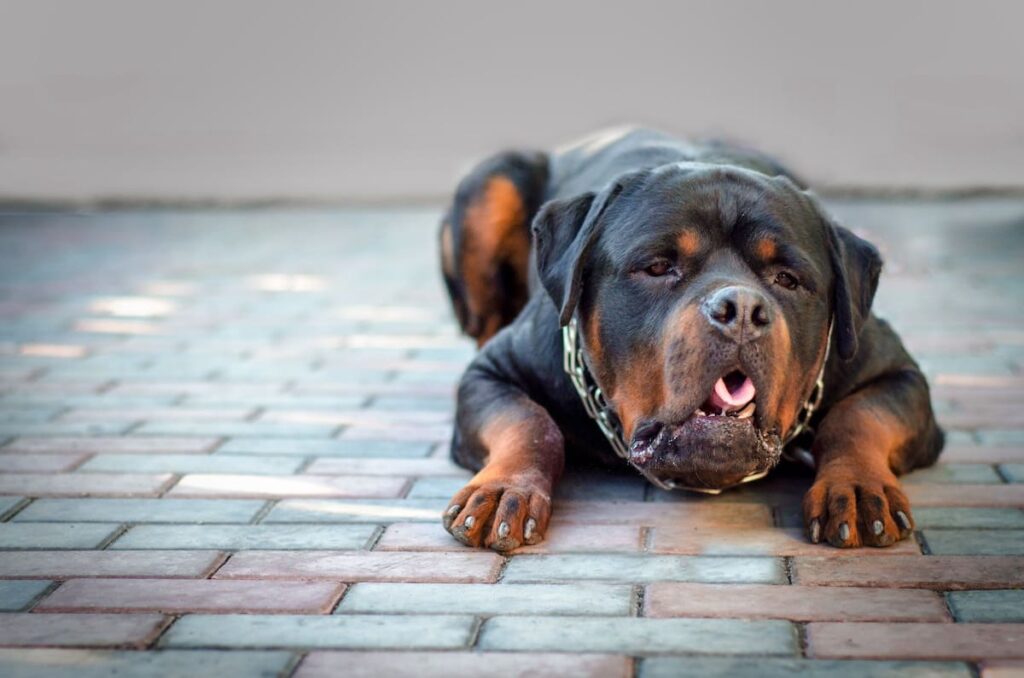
[
  {"x": 485, "y": 240},
  {"x": 881, "y": 430},
  {"x": 519, "y": 453}
]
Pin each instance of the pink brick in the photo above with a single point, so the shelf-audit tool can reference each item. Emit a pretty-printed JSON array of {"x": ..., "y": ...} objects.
[
  {"x": 386, "y": 467},
  {"x": 123, "y": 445},
  {"x": 697, "y": 540},
  {"x": 374, "y": 418},
  {"x": 26, "y": 463},
  {"x": 927, "y": 494},
  {"x": 74, "y": 564},
  {"x": 981, "y": 454},
  {"x": 708, "y": 514},
  {"x": 561, "y": 538},
  {"x": 1002, "y": 669},
  {"x": 939, "y": 572},
  {"x": 467, "y": 567},
  {"x": 797, "y": 603},
  {"x": 985, "y": 413},
  {"x": 85, "y": 484},
  {"x": 112, "y": 326},
  {"x": 222, "y": 388},
  {"x": 971, "y": 642},
  {"x": 424, "y": 432},
  {"x": 79, "y": 630},
  {"x": 478, "y": 664},
  {"x": 261, "y": 486},
  {"x": 158, "y": 414},
  {"x": 177, "y": 596}
]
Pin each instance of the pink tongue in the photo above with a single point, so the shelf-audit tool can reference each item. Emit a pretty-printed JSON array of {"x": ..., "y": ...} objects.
[{"x": 725, "y": 399}]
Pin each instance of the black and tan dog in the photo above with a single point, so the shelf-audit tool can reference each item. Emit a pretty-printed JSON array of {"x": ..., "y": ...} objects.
[{"x": 688, "y": 308}]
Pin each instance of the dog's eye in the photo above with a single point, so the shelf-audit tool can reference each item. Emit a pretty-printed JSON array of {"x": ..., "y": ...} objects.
[
  {"x": 787, "y": 280},
  {"x": 659, "y": 268}
]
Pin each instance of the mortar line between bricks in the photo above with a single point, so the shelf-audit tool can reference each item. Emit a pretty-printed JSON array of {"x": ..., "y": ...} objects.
[
  {"x": 474, "y": 632},
  {"x": 267, "y": 507},
  {"x": 114, "y": 536},
  {"x": 378, "y": 534},
  {"x": 45, "y": 593},
  {"x": 293, "y": 664},
  {"x": 801, "y": 637},
  {"x": 170, "y": 620},
  {"x": 16, "y": 509},
  {"x": 1003, "y": 475},
  {"x": 256, "y": 413},
  {"x": 922, "y": 543}
]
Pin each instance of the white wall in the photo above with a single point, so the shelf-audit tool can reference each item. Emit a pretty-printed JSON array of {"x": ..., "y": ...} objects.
[{"x": 332, "y": 100}]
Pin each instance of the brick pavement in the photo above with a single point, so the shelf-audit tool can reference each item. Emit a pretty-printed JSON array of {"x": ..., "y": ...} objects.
[{"x": 222, "y": 452}]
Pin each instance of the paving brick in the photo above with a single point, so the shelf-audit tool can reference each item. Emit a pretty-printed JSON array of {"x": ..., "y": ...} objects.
[
  {"x": 707, "y": 514},
  {"x": 333, "y": 631},
  {"x": 954, "y": 474},
  {"x": 16, "y": 594},
  {"x": 306, "y": 447},
  {"x": 769, "y": 667},
  {"x": 975, "y": 542},
  {"x": 388, "y": 467},
  {"x": 192, "y": 463},
  {"x": 941, "y": 572},
  {"x": 641, "y": 568},
  {"x": 987, "y": 606},
  {"x": 966, "y": 495},
  {"x": 1013, "y": 472},
  {"x": 360, "y": 417},
  {"x": 176, "y": 596},
  {"x": 85, "y": 485},
  {"x": 69, "y": 564},
  {"x": 797, "y": 603},
  {"x": 561, "y": 538},
  {"x": 689, "y": 540},
  {"x": 21, "y": 629},
  {"x": 915, "y": 641},
  {"x": 983, "y": 454},
  {"x": 272, "y": 487},
  {"x": 242, "y": 537},
  {"x": 28, "y": 463},
  {"x": 1002, "y": 669},
  {"x": 51, "y": 663},
  {"x": 995, "y": 518},
  {"x": 159, "y": 414},
  {"x": 236, "y": 428},
  {"x": 9, "y": 503},
  {"x": 125, "y": 445},
  {"x": 64, "y": 428},
  {"x": 468, "y": 567},
  {"x": 54, "y": 535},
  {"x": 489, "y": 599},
  {"x": 632, "y": 635},
  {"x": 437, "y": 487},
  {"x": 141, "y": 510},
  {"x": 328, "y": 664},
  {"x": 355, "y": 511}
]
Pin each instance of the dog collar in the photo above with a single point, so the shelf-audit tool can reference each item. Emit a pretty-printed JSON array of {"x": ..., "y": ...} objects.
[{"x": 597, "y": 407}]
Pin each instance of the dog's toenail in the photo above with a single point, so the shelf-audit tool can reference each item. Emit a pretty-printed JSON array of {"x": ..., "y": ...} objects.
[
  {"x": 815, "y": 531},
  {"x": 469, "y": 522},
  {"x": 503, "y": 530},
  {"x": 531, "y": 525},
  {"x": 844, "y": 532},
  {"x": 878, "y": 527},
  {"x": 903, "y": 520}
]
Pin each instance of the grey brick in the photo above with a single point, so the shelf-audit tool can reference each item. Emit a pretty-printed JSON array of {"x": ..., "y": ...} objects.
[
  {"x": 58, "y": 663},
  {"x": 975, "y": 542},
  {"x": 306, "y": 447},
  {"x": 24, "y": 535},
  {"x": 193, "y": 463},
  {"x": 643, "y": 568},
  {"x": 141, "y": 510},
  {"x": 1006, "y": 606},
  {"x": 634, "y": 635},
  {"x": 16, "y": 594},
  {"x": 337, "y": 631},
  {"x": 766, "y": 667},
  {"x": 242, "y": 537},
  {"x": 356, "y": 511}
]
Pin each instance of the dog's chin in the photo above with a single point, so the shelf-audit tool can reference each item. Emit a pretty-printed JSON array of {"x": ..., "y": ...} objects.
[{"x": 707, "y": 451}]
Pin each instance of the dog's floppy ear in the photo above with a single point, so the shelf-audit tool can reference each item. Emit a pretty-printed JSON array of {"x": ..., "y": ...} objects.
[
  {"x": 564, "y": 231},
  {"x": 856, "y": 264}
]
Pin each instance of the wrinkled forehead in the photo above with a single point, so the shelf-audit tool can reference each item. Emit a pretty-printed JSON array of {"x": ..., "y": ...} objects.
[{"x": 721, "y": 204}]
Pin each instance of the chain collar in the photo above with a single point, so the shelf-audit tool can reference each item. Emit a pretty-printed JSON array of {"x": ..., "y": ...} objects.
[{"x": 598, "y": 409}]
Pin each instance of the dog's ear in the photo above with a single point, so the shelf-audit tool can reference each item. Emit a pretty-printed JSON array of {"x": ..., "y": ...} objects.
[
  {"x": 856, "y": 264},
  {"x": 564, "y": 232}
]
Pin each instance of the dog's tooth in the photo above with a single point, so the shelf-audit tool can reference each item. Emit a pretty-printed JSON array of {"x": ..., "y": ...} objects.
[{"x": 701, "y": 413}]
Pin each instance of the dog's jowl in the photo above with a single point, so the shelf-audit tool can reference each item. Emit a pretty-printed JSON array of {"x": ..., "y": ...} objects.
[{"x": 690, "y": 310}]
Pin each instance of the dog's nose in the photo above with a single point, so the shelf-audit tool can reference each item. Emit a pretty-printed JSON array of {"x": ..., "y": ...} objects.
[{"x": 740, "y": 313}]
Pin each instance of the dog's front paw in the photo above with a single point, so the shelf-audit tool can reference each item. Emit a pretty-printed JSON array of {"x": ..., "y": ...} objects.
[
  {"x": 848, "y": 507},
  {"x": 500, "y": 511}
]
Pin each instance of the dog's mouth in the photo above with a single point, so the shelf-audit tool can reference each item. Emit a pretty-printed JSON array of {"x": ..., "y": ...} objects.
[
  {"x": 732, "y": 396},
  {"x": 717, "y": 445}
]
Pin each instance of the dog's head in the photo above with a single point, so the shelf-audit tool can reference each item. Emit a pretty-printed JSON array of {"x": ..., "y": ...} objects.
[{"x": 704, "y": 296}]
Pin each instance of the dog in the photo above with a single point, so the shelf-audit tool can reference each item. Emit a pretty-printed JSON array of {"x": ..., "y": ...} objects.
[{"x": 687, "y": 308}]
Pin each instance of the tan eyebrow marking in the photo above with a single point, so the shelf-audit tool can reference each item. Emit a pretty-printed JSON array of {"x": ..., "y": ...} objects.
[
  {"x": 765, "y": 249},
  {"x": 689, "y": 243}
]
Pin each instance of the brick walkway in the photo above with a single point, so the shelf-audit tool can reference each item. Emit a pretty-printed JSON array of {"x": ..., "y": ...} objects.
[{"x": 223, "y": 452}]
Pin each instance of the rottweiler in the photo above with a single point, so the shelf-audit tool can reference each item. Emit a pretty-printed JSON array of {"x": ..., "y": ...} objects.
[{"x": 686, "y": 308}]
